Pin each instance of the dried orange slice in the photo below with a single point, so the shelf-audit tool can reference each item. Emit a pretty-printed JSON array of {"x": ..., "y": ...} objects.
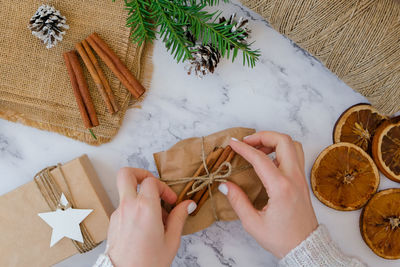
[
  {"x": 357, "y": 125},
  {"x": 386, "y": 150},
  {"x": 344, "y": 177},
  {"x": 380, "y": 224}
]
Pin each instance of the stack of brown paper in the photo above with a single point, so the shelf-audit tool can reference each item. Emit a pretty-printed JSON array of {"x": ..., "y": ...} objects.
[
  {"x": 25, "y": 237},
  {"x": 184, "y": 158}
]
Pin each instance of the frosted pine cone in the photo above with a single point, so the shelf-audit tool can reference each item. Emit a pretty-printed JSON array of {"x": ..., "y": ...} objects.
[
  {"x": 239, "y": 25},
  {"x": 48, "y": 25},
  {"x": 189, "y": 36},
  {"x": 205, "y": 60}
]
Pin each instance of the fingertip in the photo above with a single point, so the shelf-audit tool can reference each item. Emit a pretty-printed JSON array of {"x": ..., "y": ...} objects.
[
  {"x": 298, "y": 143},
  {"x": 187, "y": 204},
  {"x": 248, "y": 139},
  {"x": 164, "y": 191},
  {"x": 299, "y": 147},
  {"x": 191, "y": 207},
  {"x": 234, "y": 145},
  {"x": 126, "y": 183},
  {"x": 123, "y": 173},
  {"x": 229, "y": 188},
  {"x": 171, "y": 196},
  {"x": 223, "y": 188},
  {"x": 177, "y": 218},
  {"x": 233, "y": 141},
  {"x": 167, "y": 194},
  {"x": 240, "y": 202}
]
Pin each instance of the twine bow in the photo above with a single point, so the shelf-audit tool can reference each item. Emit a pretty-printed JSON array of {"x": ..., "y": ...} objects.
[{"x": 206, "y": 180}]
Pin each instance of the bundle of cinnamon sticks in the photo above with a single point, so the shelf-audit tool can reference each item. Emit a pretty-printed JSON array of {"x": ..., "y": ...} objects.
[
  {"x": 79, "y": 83},
  {"x": 213, "y": 161}
]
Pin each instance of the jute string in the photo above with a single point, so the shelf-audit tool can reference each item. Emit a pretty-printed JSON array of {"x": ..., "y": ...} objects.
[
  {"x": 358, "y": 40},
  {"x": 51, "y": 192},
  {"x": 221, "y": 175}
]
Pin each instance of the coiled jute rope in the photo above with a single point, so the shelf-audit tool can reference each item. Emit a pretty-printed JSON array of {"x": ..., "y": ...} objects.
[{"x": 358, "y": 40}]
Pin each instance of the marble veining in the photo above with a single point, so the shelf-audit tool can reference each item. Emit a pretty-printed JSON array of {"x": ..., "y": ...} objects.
[
  {"x": 7, "y": 149},
  {"x": 288, "y": 91}
]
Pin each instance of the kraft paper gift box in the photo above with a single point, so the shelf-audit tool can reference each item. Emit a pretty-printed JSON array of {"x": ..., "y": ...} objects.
[
  {"x": 182, "y": 160},
  {"x": 25, "y": 237}
]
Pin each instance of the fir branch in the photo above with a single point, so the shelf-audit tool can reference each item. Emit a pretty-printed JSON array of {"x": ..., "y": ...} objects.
[
  {"x": 227, "y": 40},
  {"x": 212, "y": 2},
  {"x": 171, "y": 31},
  {"x": 218, "y": 34},
  {"x": 173, "y": 16},
  {"x": 140, "y": 21},
  {"x": 204, "y": 2}
]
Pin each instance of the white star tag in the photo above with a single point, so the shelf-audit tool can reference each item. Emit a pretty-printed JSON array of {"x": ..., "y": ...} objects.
[{"x": 65, "y": 223}]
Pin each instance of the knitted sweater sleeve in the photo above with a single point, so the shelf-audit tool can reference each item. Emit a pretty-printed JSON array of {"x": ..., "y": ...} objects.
[
  {"x": 103, "y": 261},
  {"x": 318, "y": 250}
]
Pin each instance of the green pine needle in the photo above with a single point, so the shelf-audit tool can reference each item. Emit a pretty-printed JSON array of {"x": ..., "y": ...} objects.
[
  {"x": 171, "y": 31},
  {"x": 203, "y": 2},
  {"x": 172, "y": 17},
  {"x": 92, "y": 134}
]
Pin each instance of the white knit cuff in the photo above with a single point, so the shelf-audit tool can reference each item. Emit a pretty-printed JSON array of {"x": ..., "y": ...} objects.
[
  {"x": 318, "y": 250},
  {"x": 103, "y": 261}
]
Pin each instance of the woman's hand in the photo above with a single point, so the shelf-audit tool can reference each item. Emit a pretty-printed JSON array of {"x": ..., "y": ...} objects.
[
  {"x": 289, "y": 217},
  {"x": 141, "y": 233}
]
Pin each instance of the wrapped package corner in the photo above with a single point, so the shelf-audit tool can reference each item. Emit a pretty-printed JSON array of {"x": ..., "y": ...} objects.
[{"x": 25, "y": 238}]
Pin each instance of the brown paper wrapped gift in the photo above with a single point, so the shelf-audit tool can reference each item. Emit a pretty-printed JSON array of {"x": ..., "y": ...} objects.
[
  {"x": 25, "y": 237},
  {"x": 185, "y": 157}
]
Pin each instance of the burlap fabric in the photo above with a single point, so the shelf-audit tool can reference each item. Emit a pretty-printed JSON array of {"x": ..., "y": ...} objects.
[
  {"x": 358, "y": 40},
  {"x": 35, "y": 88}
]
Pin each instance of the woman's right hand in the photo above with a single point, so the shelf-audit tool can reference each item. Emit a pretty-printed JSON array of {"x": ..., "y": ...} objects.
[{"x": 289, "y": 217}]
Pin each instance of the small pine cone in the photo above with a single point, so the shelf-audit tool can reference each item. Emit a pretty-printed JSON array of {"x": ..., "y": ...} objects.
[
  {"x": 205, "y": 60},
  {"x": 189, "y": 36},
  {"x": 239, "y": 25},
  {"x": 48, "y": 25}
]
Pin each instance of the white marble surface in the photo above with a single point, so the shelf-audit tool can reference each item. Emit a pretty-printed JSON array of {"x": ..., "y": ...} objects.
[{"x": 288, "y": 91}]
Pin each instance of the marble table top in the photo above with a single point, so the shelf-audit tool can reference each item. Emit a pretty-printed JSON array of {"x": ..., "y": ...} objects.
[{"x": 288, "y": 91}]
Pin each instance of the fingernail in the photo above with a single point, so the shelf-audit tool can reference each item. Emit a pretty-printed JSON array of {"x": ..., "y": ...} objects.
[
  {"x": 244, "y": 138},
  {"x": 234, "y": 139},
  {"x": 192, "y": 207},
  {"x": 223, "y": 189}
]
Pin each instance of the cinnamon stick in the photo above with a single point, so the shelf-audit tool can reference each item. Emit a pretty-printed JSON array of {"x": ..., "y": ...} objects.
[
  {"x": 102, "y": 76},
  {"x": 95, "y": 76},
  {"x": 83, "y": 87},
  {"x": 116, "y": 65},
  {"x": 120, "y": 65},
  {"x": 108, "y": 61},
  {"x": 210, "y": 161},
  {"x": 201, "y": 197},
  {"x": 77, "y": 93}
]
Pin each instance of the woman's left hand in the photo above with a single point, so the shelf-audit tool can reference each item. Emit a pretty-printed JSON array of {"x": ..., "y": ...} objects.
[{"x": 141, "y": 232}]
